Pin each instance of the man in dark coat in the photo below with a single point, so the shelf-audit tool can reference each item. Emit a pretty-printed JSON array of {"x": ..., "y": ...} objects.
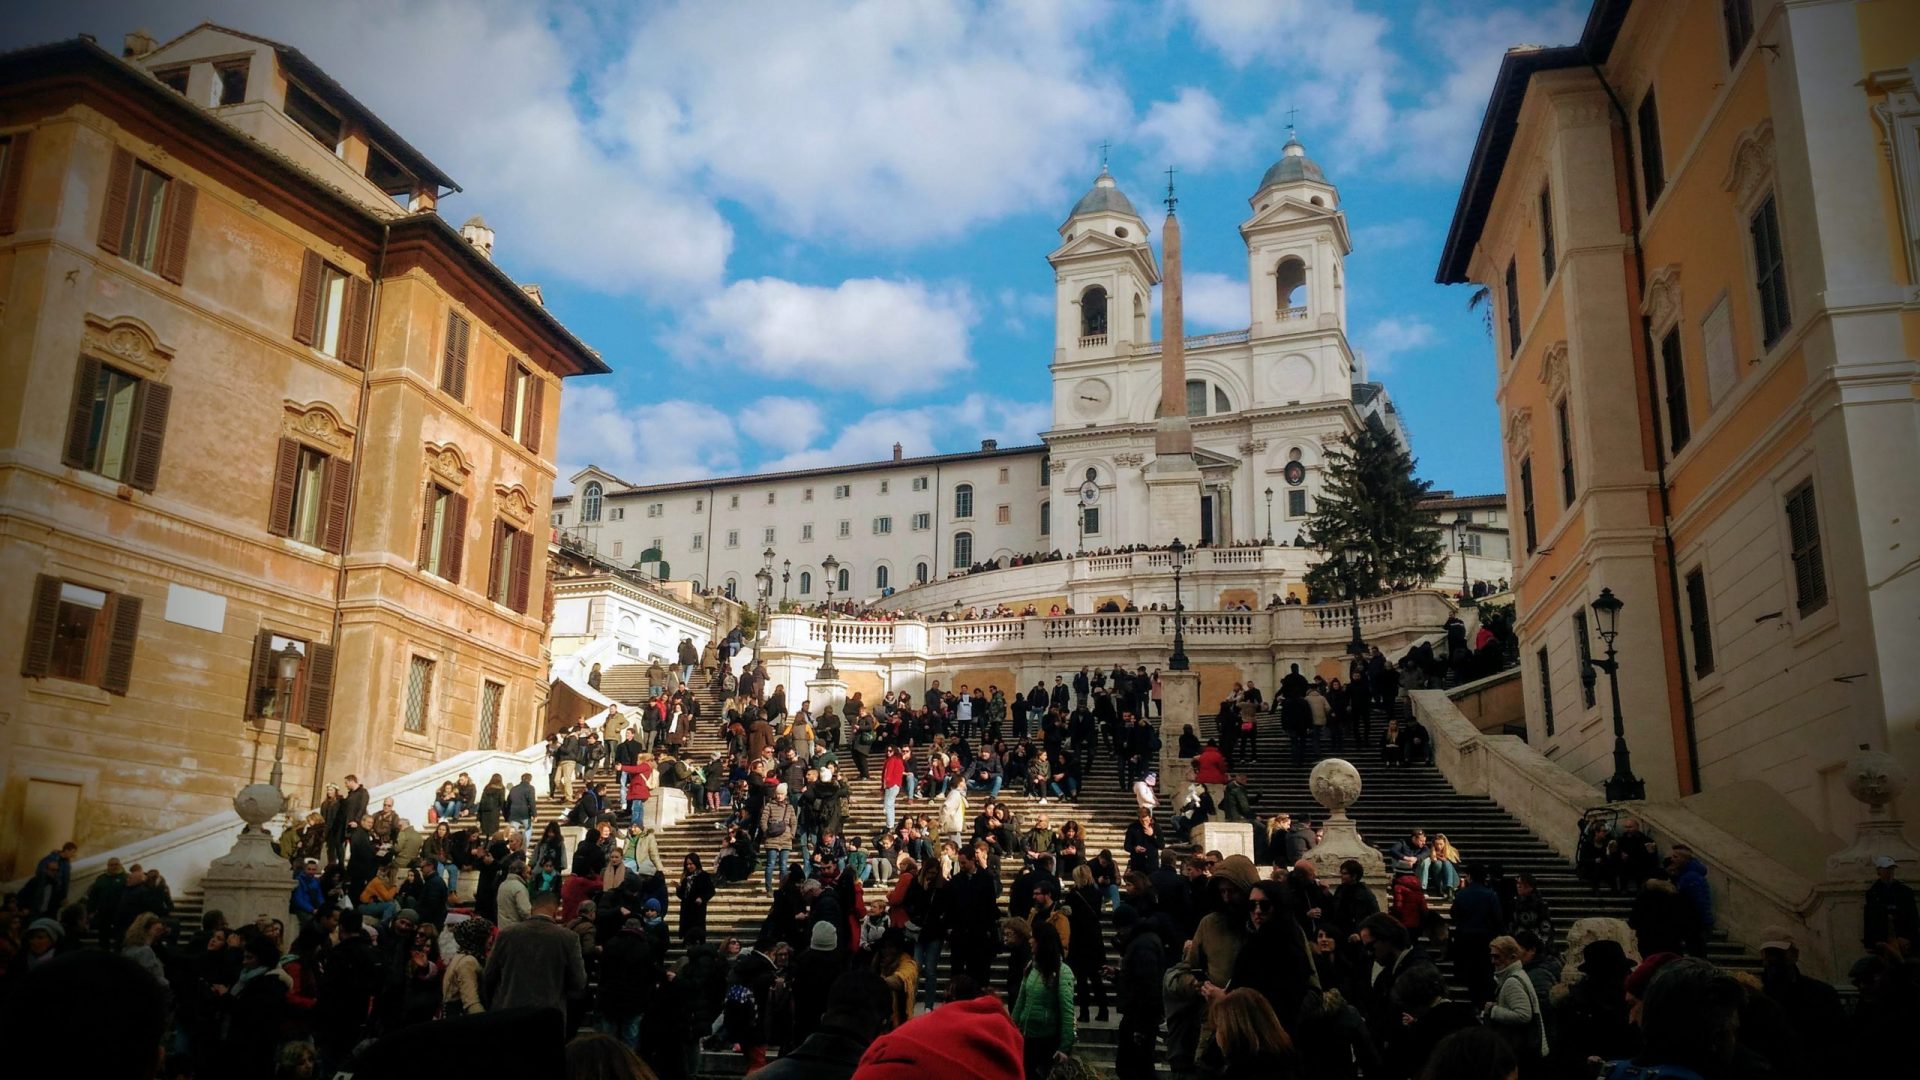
[
  {"x": 522, "y": 803},
  {"x": 357, "y": 804},
  {"x": 1143, "y": 967},
  {"x": 857, "y": 1008},
  {"x": 348, "y": 981},
  {"x": 628, "y": 970},
  {"x": 1890, "y": 911}
]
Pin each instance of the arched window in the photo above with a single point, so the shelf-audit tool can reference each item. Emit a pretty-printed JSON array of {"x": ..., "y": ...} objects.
[
  {"x": 806, "y": 583},
  {"x": 1139, "y": 318},
  {"x": 1046, "y": 518},
  {"x": 845, "y": 583},
  {"x": 880, "y": 577},
  {"x": 733, "y": 588},
  {"x": 1046, "y": 463},
  {"x": 962, "y": 550},
  {"x": 1220, "y": 401},
  {"x": 590, "y": 502},
  {"x": 1093, "y": 312},
  {"x": 963, "y": 501},
  {"x": 1290, "y": 283},
  {"x": 920, "y": 573},
  {"x": 1196, "y": 397}
]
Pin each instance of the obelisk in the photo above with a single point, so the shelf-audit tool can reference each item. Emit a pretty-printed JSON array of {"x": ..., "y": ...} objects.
[{"x": 1173, "y": 481}]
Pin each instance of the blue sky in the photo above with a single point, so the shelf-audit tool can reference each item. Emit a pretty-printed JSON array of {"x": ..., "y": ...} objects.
[{"x": 803, "y": 231}]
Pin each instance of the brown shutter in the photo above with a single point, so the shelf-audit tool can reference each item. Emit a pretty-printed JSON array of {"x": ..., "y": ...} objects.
[
  {"x": 152, "y": 404},
  {"x": 10, "y": 183},
  {"x": 113, "y": 214},
  {"x": 42, "y": 627},
  {"x": 522, "y": 570},
  {"x": 319, "y": 687},
  {"x": 353, "y": 347},
  {"x": 286, "y": 469},
  {"x": 456, "y": 542},
  {"x": 306, "y": 306},
  {"x": 176, "y": 229},
  {"x": 259, "y": 674},
  {"x": 86, "y": 383},
  {"x": 536, "y": 405},
  {"x": 118, "y": 673},
  {"x": 506, "y": 403},
  {"x": 426, "y": 525},
  {"x": 453, "y": 365},
  {"x": 339, "y": 493},
  {"x": 500, "y": 534}
]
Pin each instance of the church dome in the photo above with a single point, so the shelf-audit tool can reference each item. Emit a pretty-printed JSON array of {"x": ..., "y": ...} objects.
[
  {"x": 1105, "y": 197},
  {"x": 1294, "y": 164}
]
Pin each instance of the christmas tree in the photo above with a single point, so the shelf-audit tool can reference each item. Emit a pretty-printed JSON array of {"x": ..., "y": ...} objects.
[{"x": 1369, "y": 511}]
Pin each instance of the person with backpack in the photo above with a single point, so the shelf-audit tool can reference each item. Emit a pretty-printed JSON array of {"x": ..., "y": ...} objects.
[
  {"x": 1515, "y": 1010},
  {"x": 778, "y": 822}
]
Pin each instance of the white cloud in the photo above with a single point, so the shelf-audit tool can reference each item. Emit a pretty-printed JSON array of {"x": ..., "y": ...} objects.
[
  {"x": 1215, "y": 302},
  {"x": 784, "y": 423},
  {"x": 1192, "y": 132},
  {"x": 1018, "y": 308},
  {"x": 649, "y": 443},
  {"x": 870, "y": 437},
  {"x": 882, "y": 339},
  {"x": 1388, "y": 235},
  {"x": 1392, "y": 336}
]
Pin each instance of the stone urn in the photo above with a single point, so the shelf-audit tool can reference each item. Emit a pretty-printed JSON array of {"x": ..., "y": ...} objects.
[
  {"x": 1875, "y": 778},
  {"x": 1335, "y": 784}
]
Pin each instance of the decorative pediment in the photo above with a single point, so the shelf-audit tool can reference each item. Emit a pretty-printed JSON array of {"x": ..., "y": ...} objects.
[
  {"x": 1519, "y": 431},
  {"x": 316, "y": 422},
  {"x": 129, "y": 341},
  {"x": 448, "y": 463},
  {"x": 514, "y": 503},
  {"x": 1752, "y": 164},
  {"x": 1661, "y": 305},
  {"x": 1553, "y": 369}
]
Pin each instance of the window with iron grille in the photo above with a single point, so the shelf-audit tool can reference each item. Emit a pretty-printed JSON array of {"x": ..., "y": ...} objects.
[
  {"x": 1803, "y": 531},
  {"x": 1585, "y": 653},
  {"x": 1546, "y": 690},
  {"x": 1699, "y": 622},
  {"x": 489, "y": 732},
  {"x": 419, "y": 694}
]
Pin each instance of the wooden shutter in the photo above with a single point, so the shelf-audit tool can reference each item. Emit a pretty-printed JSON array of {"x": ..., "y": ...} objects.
[
  {"x": 286, "y": 470},
  {"x": 456, "y": 541},
  {"x": 426, "y": 525},
  {"x": 118, "y": 673},
  {"x": 259, "y": 674},
  {"x": 354, "y": 326},
  {"x": 152, "y": 404},
  {"x": 339, "y": 494},
  {"x": 506, "y": 404},
  {"x": 42, "y": 627},
  {"x": 453, "y": 364},
  {"x": 86, "y": 382},
  {"x": 10, "y": 183},
  {"x": 536, "y": 405},
  {"x": 500, "y": 535},
  {"x": 306, "y": 306},
  {"x": 176, "y": 229},
  {"x": 113, "y": 214},
  {"x": 519, "y": 587},
  {"x": 319, "y": 687}
]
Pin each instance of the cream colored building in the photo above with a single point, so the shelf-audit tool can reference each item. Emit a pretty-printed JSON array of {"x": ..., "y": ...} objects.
[{"x": 251, "y": 400}]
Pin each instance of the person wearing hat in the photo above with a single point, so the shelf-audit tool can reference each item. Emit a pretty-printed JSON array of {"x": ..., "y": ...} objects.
[
  {"x": 1890, "y": 912},
  {"x": 973, "y": 1038},
  {"x": 1812, "y": 1007},
  {"x": 856, "y": 1010},
  {"x": 815, "y": 970},
  {"x": 1591, "y": 1020},
  {"x": 41, "y": 941},
  {"x": 630, "y": 969}
]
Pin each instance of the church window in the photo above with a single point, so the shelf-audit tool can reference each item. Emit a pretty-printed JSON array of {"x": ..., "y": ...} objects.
[
  {"x": 1093, "y": 314},
  {"x": 1046, "y": 518},
  {"x": 1220, "y": 401},
  {"x": 1090, "y": 521},
  {"x": 1290, "y": 286},
  {"x": 590, "y": 502},
  {"x": 962, "y": 550},
  {"x": 1296, "y": 503},
  {"x": 963, "y": 501},
  {"x": 920, "y": 573},
  {"x": 806, "y": 583},
  {"x": 1093, "y": 475},
  {"x": 880, "y": 577},
  {"x": 1120, "y": 231},
  {"x": 845, "y": 583},
  {"x": 1196, "y": 398},
  {"x": 1139, "y": 318}
]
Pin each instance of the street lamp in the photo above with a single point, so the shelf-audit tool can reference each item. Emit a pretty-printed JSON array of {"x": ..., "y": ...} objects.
[
  {"x": 829, "y": 566},
  {"x": 1460, "y": 545},
  {"x": 287, "y": 666},
  {"x": 786, "y": 575},
  {"x": 1622, "y": 785},
  {"x": 1269, "y": 515},
  {"x": 1178, "y": 661},
  {"x": 1350, "y": 559}
]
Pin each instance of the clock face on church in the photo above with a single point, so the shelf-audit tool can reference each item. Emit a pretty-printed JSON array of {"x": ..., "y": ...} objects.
[{"x": 1091, "y": 397}]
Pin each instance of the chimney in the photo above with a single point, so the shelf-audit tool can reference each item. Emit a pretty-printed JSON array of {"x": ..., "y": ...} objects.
[
  {"x": 896, "y": 451},
  {"x": 479, "y": 235},
  {"x": 138, "y": 43},
  {"x": 533, "y": 291},
  {"x": 989, "y": 444}
]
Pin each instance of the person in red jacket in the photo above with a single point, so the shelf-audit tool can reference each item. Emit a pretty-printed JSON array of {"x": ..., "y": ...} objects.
[
  {"x": 892, "y": 775},
  {"x": 1409, "y": 905},
  {"x": 1210, "y": 770},
  {"x": 639, "y": 788}
]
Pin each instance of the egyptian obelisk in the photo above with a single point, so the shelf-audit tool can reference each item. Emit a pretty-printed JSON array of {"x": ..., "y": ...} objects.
[{"x": 1173, "y": 481}]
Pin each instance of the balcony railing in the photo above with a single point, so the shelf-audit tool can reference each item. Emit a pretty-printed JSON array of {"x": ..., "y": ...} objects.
[
  {"x": 1201, "y": 341},
  {"x": 1288, "y": 314},
  {"x": 1093, "y": 341}
]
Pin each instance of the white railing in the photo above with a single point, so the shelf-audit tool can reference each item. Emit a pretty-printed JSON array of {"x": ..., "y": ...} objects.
[
  {"x": 852, "y": 632},
  {"x": 1214, "y": 624},
  {"x": 1201, "y": 341},
  {"x": 1093, "y": 341},
  {"x": 963, "y": 633},
  {"x": 1287, "y": 314},
  {"x": 1235, "y": 556},
  {"x": 1109, "y": 563},
  {"x": 1095, "y": 626}
]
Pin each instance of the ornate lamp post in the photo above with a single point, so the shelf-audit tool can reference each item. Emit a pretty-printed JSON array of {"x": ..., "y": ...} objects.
[
  {"x": 1178, "y": 661},
  {"x": 1460, "y": 545},
  {"x": 1269, "y": 515},
  {"x": 786, "y": 575},
  {"x": 830, "y": 567},
  {"x": 287, "y": 666},
  {"x": 1622, "y": 785},
  {"x": 1350, "y": 560}
]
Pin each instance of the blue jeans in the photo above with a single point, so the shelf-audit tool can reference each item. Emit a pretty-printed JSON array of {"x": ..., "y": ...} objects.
[
  {"x": 886, "y": 804},
  {"x": 639, "y": 809},
  {"x": 626, "y": 1029},
  {"x": 776, "y": 863},
  {"x": 992, "y": 789},
  {"x": 381, "y": 912},
  {"x": 926, "y": 953},
  {"x": 1441, "y": 871},
  {"x": 686, "y": 674},
  {"x": 911, "y": 785},
  {"x": 450, "y": 874},
  {"x": 448, "y": 809}
]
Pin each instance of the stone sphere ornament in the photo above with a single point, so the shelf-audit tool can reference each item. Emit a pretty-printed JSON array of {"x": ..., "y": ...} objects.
[
  {"x": 257, "y": 804},
  {"x": 1335, "y": 784},
  {"x": 1875, "y": 778}
]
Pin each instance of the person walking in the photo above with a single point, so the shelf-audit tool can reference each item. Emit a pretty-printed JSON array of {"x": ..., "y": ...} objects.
[
  {"x": 521, "y": 804},
  {"x": 1044, "y": 1011},
  {"x": 778, "y": 822},
  {"x": 535, "y": 963}
]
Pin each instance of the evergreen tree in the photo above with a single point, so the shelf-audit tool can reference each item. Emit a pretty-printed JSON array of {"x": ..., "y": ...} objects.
[{"x": 1371, "y": 505}]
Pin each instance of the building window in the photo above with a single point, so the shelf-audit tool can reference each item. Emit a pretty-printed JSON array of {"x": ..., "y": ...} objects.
[
  {"x": 655, "y": 510},
  {"x": 617, "y": 513},
  {"x": 117, "y": 424},
  {"x": 510, "y": 576},
  {"x": 1584, "y": 650},
  {"x": 1220, "y": 404},
  {"x": 1526, "y": 504},
  {"x": 919, "y": 483},
  {"x": 489, "y": 730},
  {"x": 846, "y": 528},
  {"x": 419, "y": 694},
  {"x": 1196, "y": 397},
  {"x": 314, "y": 118},
  {"x": 147, "y": 217},
  {"x": 920, "y": 573},
  {"x": 766, "y": 535},
  {"x": 1738, "y": 17},
  {"x": 806, "y": 532},
  {"x": 963, "y": 501},
  {"x": 658, "y": 544},
  {"x": 883, "y": 487},
  {"x": 880, "y": 578},
  {"x": 1002, "y": 514},
  {"x": 558, "y": 518},
  {"x": 1546, "y": 233},
  {"x": 733, "y": 538},
  {"x": 1699, "y": 622},
  {"x": 699, "y": 540},
  {"x": 523, "y": 405},
  {"x": 232, "y": 80},
  {"x": 174, "y": 79},
  {"x": 1093, "y": 316},
  {"x": 1003, "y": 476},
  {"x": 1546, "y": 690},
  {"x": 330, "y": 315},
  {"x": 1770, "y": 273},
  {"x": 732, "y": 588},
  {"x": 882, "y": 526},
  {"x": 443, "y": 528},
  {"x": 842, "y": 491},
  {"x": 1046, "y": 519},
  {"x": 962, "y": 550},
  {"x": 1803, "y": 532},
  {"x": 845, "y": 583},
  {"x": 140, "y": 234},
  {"x": 733, "y": 502},
  {"x": 590, "y": 502},
  {"x": 308, "y": 699},
  {"x": 310, "y": 494},
  {"x": 453, "y": 361},
  {"x": 1653, "y": 169},
  {"x": 699, "y": 506},
  {"x": 13, "y": 151},
  {"x": 1513, "y": 309},
  {"x": 1296, "y": 503},
  {"x": 922, "y": 521},
  {"x": 1568, "y": 487},
  {"x": 770, "y": 498},
  {"x": 81, "y": 634},
  {"x": 806, "y": 583},
  {"x": 1046, "y": 468},
  {"x": 806, "y": 495},
  {"x": 1090, "y": 521},
  {"x": 1470, "y": 544},
  {"x": 1674, "y": 369}
]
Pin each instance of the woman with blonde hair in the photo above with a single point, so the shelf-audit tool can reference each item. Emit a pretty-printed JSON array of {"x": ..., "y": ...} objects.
[
  {"x": 1248, "y": 1038},
  {"x": 1443, "y": 868},
  {"x": 137, "y": 944}
]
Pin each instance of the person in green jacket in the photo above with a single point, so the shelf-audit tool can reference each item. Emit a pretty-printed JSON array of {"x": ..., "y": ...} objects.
[{"x": 1044, "y": 1010}]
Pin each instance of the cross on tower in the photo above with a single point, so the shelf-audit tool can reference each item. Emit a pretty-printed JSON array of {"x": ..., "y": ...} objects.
[
  {"x": 1104, "y": 147},
  {"x": 1290, "y": 115},
  {"x": 1170, "y": 199}
]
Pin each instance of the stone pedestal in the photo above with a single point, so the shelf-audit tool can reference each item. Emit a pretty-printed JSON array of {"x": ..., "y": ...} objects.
[
  {"x": 1173, "y": 500},
  {"x": 1335, "y": 783},
  {"x": 252, "y": 879},
  {"x": 666, "y": 808},
  {"x": 1179, "y": 706},
  {"x": 1226, "y": 837},
  {"x": 826, "y": 695}
]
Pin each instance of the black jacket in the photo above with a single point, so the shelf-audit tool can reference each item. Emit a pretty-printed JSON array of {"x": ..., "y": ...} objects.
[{"x": 627, "y": 973}]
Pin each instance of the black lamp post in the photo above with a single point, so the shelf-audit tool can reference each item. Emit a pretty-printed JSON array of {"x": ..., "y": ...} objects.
[
  {"x": 287, "y": 664},
  {"x": 1350, "y": 560},
  {"x": 786, "y": 575},
  {"x": 829, "y": 566},
  {"x": 1460, "y": 545},
  {"x": 1178, "y": 661},
  {"x": 1269, "y": 515},
  {"x": 1622, "y": 785}
]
